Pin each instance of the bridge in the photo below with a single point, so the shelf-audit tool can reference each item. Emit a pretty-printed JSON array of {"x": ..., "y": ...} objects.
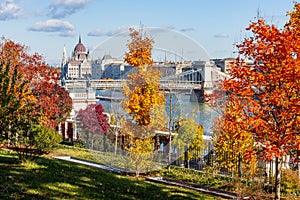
[
  {"x": 196, "y": 81},
  {"x": 95, "y": 84}
]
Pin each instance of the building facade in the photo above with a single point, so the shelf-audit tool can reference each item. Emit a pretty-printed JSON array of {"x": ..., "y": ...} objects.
[{"x": 79, "y": 66}]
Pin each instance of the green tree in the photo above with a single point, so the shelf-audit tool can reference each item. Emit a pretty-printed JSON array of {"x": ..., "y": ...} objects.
[
  {"x": 36, "y": 140},
  {"x": 189, "y": 138}
]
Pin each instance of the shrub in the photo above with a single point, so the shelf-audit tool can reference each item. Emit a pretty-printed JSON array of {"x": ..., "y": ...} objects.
[
  {"x": 35, "y": 141},
  {"x": 290, "y": 182},
  {"x": 45, "y": 139}
]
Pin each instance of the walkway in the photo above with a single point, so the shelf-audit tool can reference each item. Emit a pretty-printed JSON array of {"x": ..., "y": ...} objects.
[{"x": 112, "y": 169}]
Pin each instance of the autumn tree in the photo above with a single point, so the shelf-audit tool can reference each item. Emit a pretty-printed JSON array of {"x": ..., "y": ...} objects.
[
  {"x": 143, "y": 100},
  {"x": 23, "y": 102},
  {"x": 54, "y": 103},
  {"x": 189, "y": 139},
  {"x": 270, "y": 87},
  {"x": 15, "y": 92},
  {"x": 17, "y": 102},
  {"x": 92, "y": 122},
  {"x": 62, "y": 101},
  {"x": 103, "y": 123},
  {"x": 142, "y": 89},
  {"x": 234, "y": 145}
]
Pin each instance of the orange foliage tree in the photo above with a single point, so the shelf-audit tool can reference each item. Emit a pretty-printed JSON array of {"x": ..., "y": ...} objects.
[
  {"x": 143, "y": 101},
  {"x": 270, "y": 87},
  {"x": 30, "y": 94},
  {"x": 234, "y": 145},
  {"x": 142, "y": 91}
]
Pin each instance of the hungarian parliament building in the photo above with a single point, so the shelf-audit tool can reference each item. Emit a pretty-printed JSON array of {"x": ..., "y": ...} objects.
[{"x": 81, "y": 66}]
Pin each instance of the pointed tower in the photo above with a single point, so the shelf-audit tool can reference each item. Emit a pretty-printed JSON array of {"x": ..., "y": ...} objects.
[{"x": 64, "y": 57}]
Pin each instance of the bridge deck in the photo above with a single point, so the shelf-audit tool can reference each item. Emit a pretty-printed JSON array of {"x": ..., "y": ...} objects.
[{"x": 114, "y": 84}]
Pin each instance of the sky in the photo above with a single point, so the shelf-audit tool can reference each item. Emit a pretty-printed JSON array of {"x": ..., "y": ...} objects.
[{"x": 46, "y": 26}]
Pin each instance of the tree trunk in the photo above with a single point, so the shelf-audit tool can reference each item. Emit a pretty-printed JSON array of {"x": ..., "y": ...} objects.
[
  {"x": 278, "y": 163},
  {"x": 298, "y": 154},
  {"x": 92, "y": 145},
  {"x": 116, "y": 142},
  {"x": 240, "y": 166},
  {"x": 186, "y": 157},
  {"x": 104, "y": 142}
]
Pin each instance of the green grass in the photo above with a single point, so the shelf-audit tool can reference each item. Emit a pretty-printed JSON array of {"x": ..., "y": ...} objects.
[{"x": 49, "y": 178}]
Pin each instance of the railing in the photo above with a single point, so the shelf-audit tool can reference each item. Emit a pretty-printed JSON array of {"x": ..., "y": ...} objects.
[{"x": 109, "y": 84}]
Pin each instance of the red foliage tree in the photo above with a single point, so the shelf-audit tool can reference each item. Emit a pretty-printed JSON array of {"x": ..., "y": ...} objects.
[
  {"x": 53, "y": 103},
  {"x": 102, "y": 119},
  {"x": 93, "y": 121}
]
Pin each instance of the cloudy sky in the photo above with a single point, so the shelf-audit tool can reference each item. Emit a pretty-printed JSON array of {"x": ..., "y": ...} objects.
[{"x": 46, "y": 26}]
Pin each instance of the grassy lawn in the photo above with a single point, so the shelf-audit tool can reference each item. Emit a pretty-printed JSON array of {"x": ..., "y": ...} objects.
[
  {"x": 254, "y": 189},
  {"x": 53, "y": 179}
]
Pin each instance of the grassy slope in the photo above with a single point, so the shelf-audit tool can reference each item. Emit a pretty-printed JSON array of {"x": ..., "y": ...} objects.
[{"x": 53, "y": 179}]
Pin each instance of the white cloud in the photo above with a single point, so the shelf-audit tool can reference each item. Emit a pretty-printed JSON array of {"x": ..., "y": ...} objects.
[
  {"x": 64, "y": 28},
  {"x": 97, "y": 32},
  {"x": 62, "y": 8},
  {"x": 221, "y": 35},
  {"x": 117, "y": 31},
  {"x": 186, "y": 29},
  {"x": 69, "y": 33},
  {"x": 9, "y": 10}
]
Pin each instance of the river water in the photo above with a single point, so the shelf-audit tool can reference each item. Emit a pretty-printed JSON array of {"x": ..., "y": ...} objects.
[{"x": 181, "y": 107}]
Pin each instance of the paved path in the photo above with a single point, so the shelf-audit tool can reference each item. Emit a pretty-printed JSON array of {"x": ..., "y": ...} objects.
[{"x": 116, "y": 170}]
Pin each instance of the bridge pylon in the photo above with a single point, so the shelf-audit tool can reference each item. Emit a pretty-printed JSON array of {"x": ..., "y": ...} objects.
[{"x": 197, "y": 95}]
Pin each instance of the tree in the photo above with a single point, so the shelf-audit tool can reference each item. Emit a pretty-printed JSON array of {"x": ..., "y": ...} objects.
[
  {"x": 54, "y": 103},
  {"x": 102, "y": 119},
  {"x": 17, "y": 99},
  {"x": 142, "y": 91},
  {"x": 143, "y": 100},
  {"x": 270, "y": 87},
  {"x": 234, "y": 145},
  {"x": 189, "y": 138},
  {"x": 103, "y": 123},
  {"x": 92, "y": 121},
  {"x": 63, "y": 101},
  {"x": 140, "y": 49},
  {"x": 35, "y": 141},
  {"x": 22, "y": 78}
]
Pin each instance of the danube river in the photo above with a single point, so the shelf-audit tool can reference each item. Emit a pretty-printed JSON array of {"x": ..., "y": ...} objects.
[{"x": 181, "y": 107}]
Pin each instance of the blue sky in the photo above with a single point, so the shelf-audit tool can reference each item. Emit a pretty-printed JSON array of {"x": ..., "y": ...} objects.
[{"x": 47, "y": 25}]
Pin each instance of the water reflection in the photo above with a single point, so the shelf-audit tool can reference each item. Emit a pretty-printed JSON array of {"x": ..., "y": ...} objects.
[{"x": 181, "y": 108}]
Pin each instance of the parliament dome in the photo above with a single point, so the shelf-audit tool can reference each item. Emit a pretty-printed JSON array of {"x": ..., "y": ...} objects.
[{"x": 80, "y": 47}]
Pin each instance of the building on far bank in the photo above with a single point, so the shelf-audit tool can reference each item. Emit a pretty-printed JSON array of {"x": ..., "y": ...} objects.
[
  {"x": 79, "y": 66},
  {"x": 224, "y": 64}
]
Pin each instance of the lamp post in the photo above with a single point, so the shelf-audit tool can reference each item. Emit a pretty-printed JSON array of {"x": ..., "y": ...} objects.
[
  {"x": 170, "y": 130},
  {"x": 117, "y": 128}
]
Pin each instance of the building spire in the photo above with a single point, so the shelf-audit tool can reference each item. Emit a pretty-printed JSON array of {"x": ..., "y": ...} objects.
[
  {"x": 79, "y": 39},
  {"x": 64, "y": 57}
]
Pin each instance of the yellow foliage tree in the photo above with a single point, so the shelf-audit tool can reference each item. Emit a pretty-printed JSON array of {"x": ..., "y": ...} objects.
[
  {"x": 143, "y": 100},
  {"x": 234, "y": 145},
  {"x": 190, "y": 136}
]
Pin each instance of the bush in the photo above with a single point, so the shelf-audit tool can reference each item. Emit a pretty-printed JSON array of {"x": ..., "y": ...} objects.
[
  {"x": 45, "y": 139},
  {"x": 290, "y": 182},
  {"x": 35, "y": 141}
]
